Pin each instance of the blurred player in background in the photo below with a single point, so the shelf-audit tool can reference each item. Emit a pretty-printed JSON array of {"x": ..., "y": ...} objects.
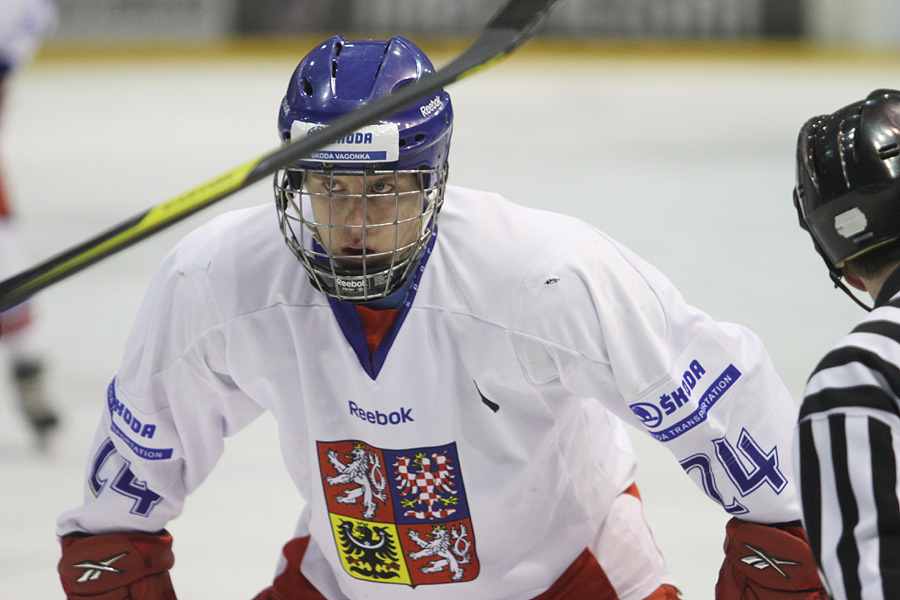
[
  {"x": 848, "y": 198},
  {"x": 450, "y": 397},
  {"x": 23, "y": 23}
]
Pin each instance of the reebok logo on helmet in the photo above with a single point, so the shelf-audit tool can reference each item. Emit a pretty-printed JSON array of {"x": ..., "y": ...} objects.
[{"x": 432, "y": 106}]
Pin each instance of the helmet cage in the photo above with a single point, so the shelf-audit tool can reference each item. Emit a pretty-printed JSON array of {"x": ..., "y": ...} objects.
[{"x": 365, "y": 275}]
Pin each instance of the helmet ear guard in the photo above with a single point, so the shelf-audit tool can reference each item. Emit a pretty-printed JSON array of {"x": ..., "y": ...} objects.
[
  {"x": 847, "y": 192},
  {"x": 833, "y": 271}
]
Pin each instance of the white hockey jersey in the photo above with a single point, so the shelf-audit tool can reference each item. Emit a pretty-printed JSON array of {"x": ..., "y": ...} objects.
[
  {"x": 23, "y": 23},
  {"x": 489, "y": 418}
]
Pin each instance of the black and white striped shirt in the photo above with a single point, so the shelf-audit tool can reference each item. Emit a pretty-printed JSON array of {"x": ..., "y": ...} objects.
[{"x": 848, "y": 444}]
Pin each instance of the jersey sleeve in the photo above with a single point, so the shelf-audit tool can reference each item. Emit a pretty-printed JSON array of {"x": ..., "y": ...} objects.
[
  {"x": 166, "y": 411},
  {"x": 847, "y": 445},
  {"x": 621, "y": 333}
]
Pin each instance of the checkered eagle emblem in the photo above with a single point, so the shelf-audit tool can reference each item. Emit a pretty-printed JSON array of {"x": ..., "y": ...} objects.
[
  {"x": 426, "y": 485},
  {"x": 398, "y": 516}
]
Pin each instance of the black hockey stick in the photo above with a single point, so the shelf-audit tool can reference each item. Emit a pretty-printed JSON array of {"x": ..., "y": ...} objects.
[{"x": 509, "y": 28}]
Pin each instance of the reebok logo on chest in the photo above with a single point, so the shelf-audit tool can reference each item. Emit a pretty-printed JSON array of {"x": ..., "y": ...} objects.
[{"x": 397, "y": 417}]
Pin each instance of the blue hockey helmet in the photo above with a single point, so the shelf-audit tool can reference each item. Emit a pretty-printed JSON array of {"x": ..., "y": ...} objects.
[
  {"x": 335, "y": 78},
  {"x": 340, "y": 76}
]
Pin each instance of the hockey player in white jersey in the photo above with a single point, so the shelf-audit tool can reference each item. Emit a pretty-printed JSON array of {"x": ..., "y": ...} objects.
[
  {"x": 23, "y": 24},
  {"x": 451, "y": 374}
]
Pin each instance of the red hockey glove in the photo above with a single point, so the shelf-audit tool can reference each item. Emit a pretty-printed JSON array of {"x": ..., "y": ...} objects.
[
  {"x": 117, "y": 566},
  {"x": 767, "y": 562}
]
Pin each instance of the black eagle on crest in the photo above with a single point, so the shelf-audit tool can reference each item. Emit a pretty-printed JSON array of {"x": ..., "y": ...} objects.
[{"x": 369, "y": 550}]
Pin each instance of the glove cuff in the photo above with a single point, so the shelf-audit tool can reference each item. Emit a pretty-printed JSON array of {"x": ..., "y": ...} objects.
[
  {"x": 770, "y": 557},
  {"x": 117, "y": 566}
]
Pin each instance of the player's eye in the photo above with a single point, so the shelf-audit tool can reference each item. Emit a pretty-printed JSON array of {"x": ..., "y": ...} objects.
[
  {"x": 382, "y": 187},
  {"x": 325, "y": 185}
]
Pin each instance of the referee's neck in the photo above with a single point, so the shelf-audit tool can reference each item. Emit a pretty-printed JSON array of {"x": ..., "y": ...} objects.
[{"x": 884, "y": 286}]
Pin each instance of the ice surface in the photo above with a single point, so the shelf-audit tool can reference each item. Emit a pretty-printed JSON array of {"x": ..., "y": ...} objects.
[{"x": 688, "y": 162}]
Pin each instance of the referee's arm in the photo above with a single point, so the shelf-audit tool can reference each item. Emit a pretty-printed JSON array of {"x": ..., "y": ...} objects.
[{"x": 847, "y": 443}]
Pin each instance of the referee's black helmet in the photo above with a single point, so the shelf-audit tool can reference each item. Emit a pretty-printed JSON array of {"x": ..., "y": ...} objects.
[{"x": 847, "y": 192}]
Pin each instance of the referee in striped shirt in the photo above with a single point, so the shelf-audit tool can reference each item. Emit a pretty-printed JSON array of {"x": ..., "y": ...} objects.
[{"x": 848, "y": 435}]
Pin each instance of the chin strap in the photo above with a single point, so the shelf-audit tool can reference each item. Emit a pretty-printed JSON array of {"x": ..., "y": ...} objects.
[
  {"x": 836, "y": 278},
  {"x": 833, "y": 271}
]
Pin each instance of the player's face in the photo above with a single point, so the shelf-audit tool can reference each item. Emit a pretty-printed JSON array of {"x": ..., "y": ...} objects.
[{"x": 363, "y": 219}]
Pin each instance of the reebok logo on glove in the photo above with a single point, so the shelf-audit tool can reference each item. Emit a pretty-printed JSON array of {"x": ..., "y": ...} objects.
[
  {"x": 93, "y": 570},
  {"x": 760, "y": 560}
]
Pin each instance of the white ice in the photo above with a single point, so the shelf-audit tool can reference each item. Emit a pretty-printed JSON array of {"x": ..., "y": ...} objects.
[{"x": 687, "y": 161}]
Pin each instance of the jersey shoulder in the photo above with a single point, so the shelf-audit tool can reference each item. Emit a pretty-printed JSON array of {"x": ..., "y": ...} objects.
[
  {"x": 519, "y": 266},
  {"x": 860, "y": 369},
  {"x": 509, "y": 239},
  {"x": 240, "y": 259}
]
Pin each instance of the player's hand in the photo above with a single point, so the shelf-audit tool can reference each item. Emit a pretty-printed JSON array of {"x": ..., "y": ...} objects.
[
  {"x": 117, "y": 566},
  {"x": 767, "y": 562}
]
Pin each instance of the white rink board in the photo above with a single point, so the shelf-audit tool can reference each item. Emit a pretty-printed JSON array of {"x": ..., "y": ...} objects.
[{"x": 690, "y": 163}]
